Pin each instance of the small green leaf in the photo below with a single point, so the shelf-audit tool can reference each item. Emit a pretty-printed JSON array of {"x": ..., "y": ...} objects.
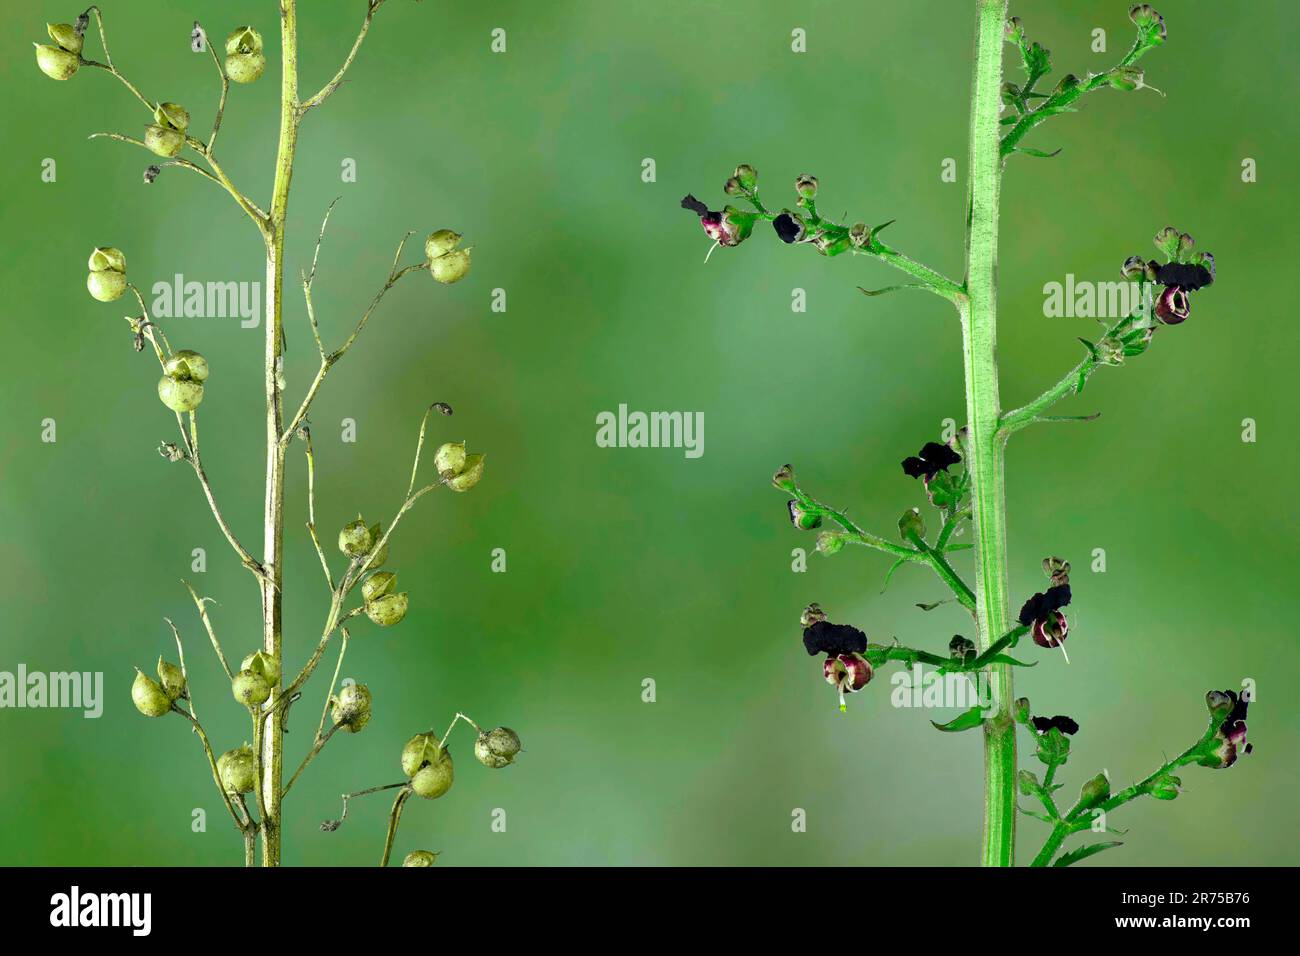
[
  {"x": 1041, "y": 154},
  {"x": 890, "y": 573},
  {"x": 882, "y": 227},
  {"x": 931, "y": 607},
  {"x": 966, "y": 546},
  {"x": 1008, "y": 659},
  {"x": 891, "y": 288},
  {"x": 964, "y": 721},
  {"x": 1083, "y": 852},
  {"x": 1037, "y": 816}
]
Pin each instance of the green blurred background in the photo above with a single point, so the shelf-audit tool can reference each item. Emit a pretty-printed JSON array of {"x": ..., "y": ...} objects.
[{"x": 632, "y": 564}]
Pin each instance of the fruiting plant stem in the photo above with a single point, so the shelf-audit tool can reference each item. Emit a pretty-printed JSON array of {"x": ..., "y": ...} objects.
[{"x": 984, "y": 445}]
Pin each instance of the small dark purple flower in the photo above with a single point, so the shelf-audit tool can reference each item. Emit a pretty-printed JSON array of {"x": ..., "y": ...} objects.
[
  {"x": 1042, "y": 615},
  {"x": 823, "y": 637},
  {"x": 716, "y": 224},
  {"x": 933, "y": 458},
  {"x": 1173, "y": 306},
  {"x": 1186, "y": 275},
  {"x": 788, "y": 228},
  {"x": 1065, "y": 725}
]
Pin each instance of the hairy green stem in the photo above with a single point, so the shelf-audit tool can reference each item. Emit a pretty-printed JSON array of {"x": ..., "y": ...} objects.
[{"x": 984, "y": 461}]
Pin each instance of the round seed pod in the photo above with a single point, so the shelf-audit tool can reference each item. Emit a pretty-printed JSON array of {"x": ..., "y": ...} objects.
[
  {"x": 440, "y": 243},
  {"x": 250, "y": 688},
  {"x": 420, "y": 858},
  {"x": 470, "y": 475},
  {"x": 389, "y": 609},
  {"x": 355, "y": 540},
  {"x": 187, "y": 364},
  {"x": 163, "y": 140},
  {"x": 450, "y": 266},
  {"x": 149, "y": 698},
  {"x": 497, "y": 748},
  {"x": 237, "y": 770},
  {"x": 171, "y": 678},
  {"x": 377, "y": 585},
  {"x": 449, "y": 459},
  {"x": 180, "y": 395},
  {"x": 245, "y": 61},
  {"x": 56, "y": 62},
  {"x": 106, "y": 286},
  {"x": 263, "y": 665},
  {"x": 66, "y": 36},
  {"x": 420, "y": 750},
  {"x": 434, "y": 779},
  {"x": 352, "y": 707}
]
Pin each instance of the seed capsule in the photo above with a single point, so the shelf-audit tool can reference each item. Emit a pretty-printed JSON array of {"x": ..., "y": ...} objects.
[
  {"x": 187, "y": 364},
  {"x": 352, "y": 707},
  {"x": 378, "y": 556},
  {"x": 389, "y": 609},
  {"x": 420, "y": 750},
  {"x": 107, "y": 278},
  {"x": 470, "y": 475},
  {"x": 56, "y": 62},
  {"x": 434, "y": 779},
  {"x": 447, "y": 262},
  {"x": 237, "y": 770},
  {"x": 245, "y": 61},
  {"x": 497, "y": 748},
  {"x": 377, "y": 585},
  {"x": 250, "y": 688},
  {"x": 355, "y": 540},
  {"x": 66, "y": 36},
  {"x": 171, "y": 678},
  {"x": 441, "y": 242},
  {"x": 180, "y": 395},
  {"x": 166, "y": 135},
  {"x": 149, "y": 698},
  {"x": 263, "y": 665},
  {"x": 449, "y": 459},
  {"x": 420, "y": 858}
]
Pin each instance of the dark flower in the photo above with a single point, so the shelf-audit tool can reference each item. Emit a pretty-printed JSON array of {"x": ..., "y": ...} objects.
[
  {"x": 1173, "y": 306},
  {"x": 1065, "y": 725},
  {"x": 823, "y": 637},
  {"x": 1230, "y": 738},
  {"x": 1186, "y": 275},
  {"x": 788, "y": 228},
  {"x": 717, "y": 226},
  {"x": 847, "y": 673},
  {"x": 933, "y": 458},
  {"x": 1043, "y": 603}
]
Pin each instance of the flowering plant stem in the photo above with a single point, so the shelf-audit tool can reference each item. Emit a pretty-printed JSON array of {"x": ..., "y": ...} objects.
[{"x": 985, "y": 446}]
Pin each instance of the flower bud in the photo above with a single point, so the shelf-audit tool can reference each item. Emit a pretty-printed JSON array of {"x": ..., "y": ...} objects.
[
  {"x": 180, "y": 395},
  {"x": 389, "y": 609},
  {"x": 56, "y": 62},
  {"x": 355, "y": 540},
  {"x": 107, "y": 278},
  {"x": 1010, "y": 94},
  {"x": 1094, "y": 791},
  {"x": 245, "y": 61},
  {"x": 1167, "y": 242},
  {"x": 784, "y": 478},
  {"x": 352, "y": 707},
  {"x": 860, "y": 235},
  {"x": 1020, "y": 710},
  {"x": 830, "y": 542},
  {"x": 911, "y": 523},
  {"x": 420, "y": 750},
  {"x": 420, "y": 858},
  {"x": 187, "y": 364},
  {"x": 470, "y": 475},
  {"x": 1166, "y": 787},
  {"x": 171, "y": 678},
  {"x": 449, "y": 459},
  {"x": 497, "y": 748},
  {"x": 264, "y": 665},
  {"x": 732, "y": 187},
  {"x": 806, "y": 186},
  {"x": 802, "y": 519},
  {"x": 1133, "y": 268},
  {"x": 812, "y": 614},
  {"x": 1014, "y": 31},
  {"x": 237, "y": 770},
  {"x": 1057, "y": 569},
  {"x": 1126, "y": 78},
  {"x": 377, "y": 585},
  {"x": 149, "y": 698},
  {"x": 1150, "y": 24},
  {"x": 250, "y": 688},
  {"x": 746, "y": 175}
]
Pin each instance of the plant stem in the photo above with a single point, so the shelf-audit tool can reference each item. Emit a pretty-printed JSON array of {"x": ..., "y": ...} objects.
[
  {"x": 984, "y": 448},
  {"x": 273, "y": 514},
  {"x": 394, "y": 818}
]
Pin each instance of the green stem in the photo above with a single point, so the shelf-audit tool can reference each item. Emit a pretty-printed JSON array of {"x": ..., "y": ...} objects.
[{"x": 984, "y": 461}]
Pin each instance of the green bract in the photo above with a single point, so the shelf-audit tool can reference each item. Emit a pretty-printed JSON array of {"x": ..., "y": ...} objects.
[{"x": 418, "y": 751}]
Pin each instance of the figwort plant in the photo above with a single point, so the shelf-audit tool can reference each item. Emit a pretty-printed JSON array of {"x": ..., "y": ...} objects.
[
  {"x": 1002, "y": 114},
  {"x": 259, "y": 682}
]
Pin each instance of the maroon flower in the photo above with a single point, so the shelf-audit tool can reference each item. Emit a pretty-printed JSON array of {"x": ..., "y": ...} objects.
[
  {"x": 932, "y": 459},
  {"x": 1173, "y": 306},
  {"x": 718, "y": 226},
  {"x": 847, "y": 673},
  {"x": 1230, "y": 739},
  {"x": 1042, "y": 615}
]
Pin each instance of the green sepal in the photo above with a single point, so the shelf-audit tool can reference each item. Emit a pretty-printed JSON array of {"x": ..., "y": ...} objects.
[{"x": 1053, "y": 748}]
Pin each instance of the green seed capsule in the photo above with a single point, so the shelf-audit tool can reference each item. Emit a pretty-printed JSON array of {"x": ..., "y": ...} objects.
[
  {"x": 497, "y": 748},
  {"x": 263, "y": 665},
  {"x": 450, "y": 267},
  {"x": 172, "y": 679},
  {"x": 106, "y": 286},
  {"x": 378, "y": 556},
  {"x": 187, "y": 364},
  {"x": 377, "y": 585},
  {"x": 180, "y": 395},
  {"x": 469, "y": 476},
  {"x": 150, "y": 699},
  {"x": 162, "y": 140},
  {"x": 66, "y": 36},
  {"x": 420, "y": 750},
  {"x": 55, "y": 62},
  {"x": 449, "y": 459},
  {"x": 351, "y": 707},
  {"x": 250, "y": 688},
  {"x": 172, "y": 116},
  {"x": 440, "y": 243},
  {"x": 420, "y": 858},
  {"x": 434, "y": 779},
  {"x": 389, "y": 609},
  {"x": 237, "y": 770},
  {"x": 244, "y": 59},
  {"x": 355, "y": 540}
]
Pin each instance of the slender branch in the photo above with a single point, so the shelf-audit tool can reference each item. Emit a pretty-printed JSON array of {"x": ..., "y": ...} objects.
[
  {"x": 201, "y": 604},
  {"x": 197, "y": 463},
  {"x": 936, "y": 560},
  {"x": 212, "y": 764},
  {"x": 221, "y": 103},
  {"x": 317, "y": 747},
  {"x": 329, "y": 826},
  {"x": 323, "y": 94},
  {"x": 103, "y": 41},
  {"x": 394, "y": 818}
]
